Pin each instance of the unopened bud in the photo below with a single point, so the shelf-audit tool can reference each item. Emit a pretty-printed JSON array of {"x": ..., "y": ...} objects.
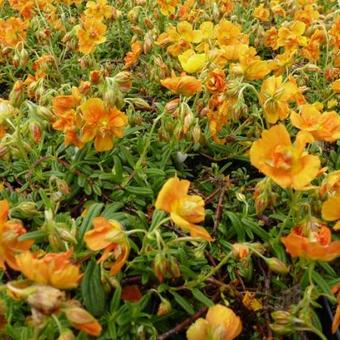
[
  {"x": 35, "y": 132},
  {"x": 133, "y": 15},
  {"x": 123, "y": 79},
  {"x": 140, "y": 103},
  {"x": 25, "y": 210},
  {"x": 164, "y": 307},
  {"x": 66, "y": 334},
  {"x": 277, "y": 266}
]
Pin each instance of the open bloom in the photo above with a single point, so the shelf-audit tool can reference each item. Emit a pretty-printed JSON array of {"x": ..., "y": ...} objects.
[
  {"x": 132, "y": 57},
  {"x": 312, "y": 242},
  {"x": 220, "y": 323},
  {"x": 98, "y": 9},
  {"x": 285, "y": 163},
  {"x": 275, "y": 96},
  {"x": 167, "y": 7},
  {"x": 90, "y": 34},
  {"x": 102, "y": 124},
  {"x": 184, "y": 85},
  {"x": 323, "y": 126},
  {"x": 53, "y": 269},
  {"x": 292, "y": 37},
  {"x": 185, "y": 210},
  {"x": 12, "y": 31},
  {"x": 108, "y": 235},
  {"x": 331, "y": 210},
  {"x": 192, "y": 62},
  {"x": 9, "y": 234}
]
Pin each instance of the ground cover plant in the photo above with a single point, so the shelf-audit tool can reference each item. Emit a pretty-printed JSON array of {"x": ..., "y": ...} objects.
[{"x": 170, "y": 169}]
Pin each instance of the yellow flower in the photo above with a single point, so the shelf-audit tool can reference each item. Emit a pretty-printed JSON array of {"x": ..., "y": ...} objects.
[
  {"x": 286, "y": 164},
  {"x": 323, "y": 126},
  {"x": 192, "y": 62},
  {"x": 220, "y": 323},
  {"x": 167, "y": 7},
  {"x": 53, "y": 269},
  {"x": 292, "y": 37},
  {"x": 261, "y": 13},
  {"x": 275, "y": 96},
  {"x": 90, "y": 34},
  {"x": 228, "y": 33},
  {"x": 108, "y": 235},
  {"x": 12, "y": 31},
  {"x": 99, "y": 9},
  {"x": 336, "y": 86},
  {"x": 185, "y": 210},
  {"x": 331, "y": 210}
]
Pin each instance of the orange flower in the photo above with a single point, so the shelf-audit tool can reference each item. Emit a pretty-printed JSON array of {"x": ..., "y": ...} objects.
[
  {"x": 90, "y": 34},
  {"x": 331, "y": 210},
  {"x": 167, "y": 7},
  {"x": 220, "y": 323},
  {"x": 313, "y": 243},
  {"x": 132, "y": 57},
  {"x": 9, "y": 234},
  {"x": 275, "y": 96},
  {"x": 53, "y": 269},
  {"x": 307, "y": 14},
  {"x": 185, "y": 210},
  {"x": 66, "y": 118},
  {"x": 323, "y": 126},
  {"x": 228, "y": 33},
  {"x": 335, "y": 32},
  {"x": 102, "y": 124},
  {"x": 12, "y": 31},
  {"x": 82, "y": 320},
  {"x": 184, "y": 85},
  {"x": 286, "y": 164},
  {"x": 216, "y": 81},
  {"x": 108, "y": 235},
  {"x": 292, "y": 37},
  {"x": 99, "y": 9}
]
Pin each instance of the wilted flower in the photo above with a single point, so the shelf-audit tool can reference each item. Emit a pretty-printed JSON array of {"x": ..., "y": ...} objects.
[
  {"x": 108, "y": 235},
  {"x": 285, "y": 163},
  {"x": 9, "y": 234},
  {"x": 132, "y": 57},
  {"x": 185, "y": 210},
  {"x": 53, "y": 269},
  {"x": 216, "y": 81},
  {"x": 220, "y": 323}
]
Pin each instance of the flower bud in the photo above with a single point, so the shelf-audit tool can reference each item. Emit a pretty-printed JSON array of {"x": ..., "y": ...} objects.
[
  {"x": 277, "y": 266},
  {"x": 46, "y": 299},
  {"x": 140, "y": 103},
  {"x": 133, "y": 15},
  {"x": 148, "y": 42},
  {"x": 160, "y": 267},
  {"x": 35, "y": 130},
  {"x": 66, "y": 334},
  {"x": 26, "y": 210},
  {"x": 164, "y": 307}
]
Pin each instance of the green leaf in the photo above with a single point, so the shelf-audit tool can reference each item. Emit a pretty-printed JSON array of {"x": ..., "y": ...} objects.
[
  {"x": 92, "y": 289},
  {"x": 202, "y": 297},
  {"x": 183, "y": 303}
]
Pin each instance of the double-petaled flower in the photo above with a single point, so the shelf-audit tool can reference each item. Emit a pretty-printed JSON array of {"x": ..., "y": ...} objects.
[
  {"x": 52, "y": 269},
  {"x": 185, "y": 210},
  {"x": 287, "y": 164},
  {"x": 323, "y": 126},
  {"x": 312, "y": 240},
  {"x": 102, "y": 124},
  {"x": 108, "y": 235},
  {"x": 220, "y": 323},
  {"x": 10, "y": 231}
]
